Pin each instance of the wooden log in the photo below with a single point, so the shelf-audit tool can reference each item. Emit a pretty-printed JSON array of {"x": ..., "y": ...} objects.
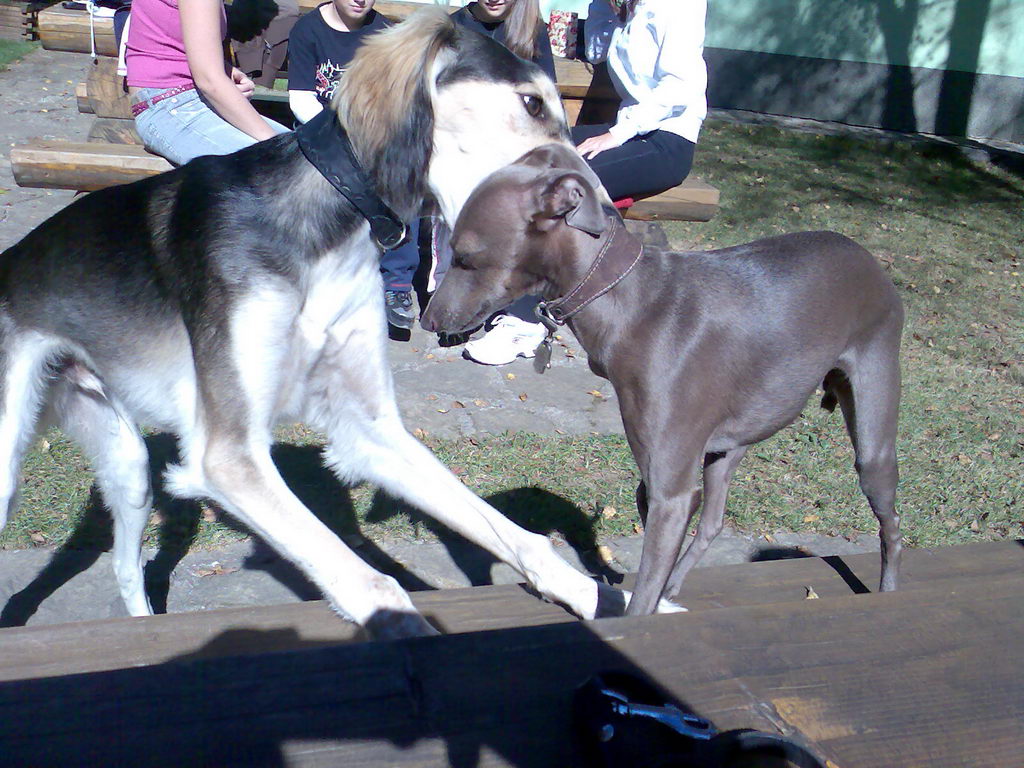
[
  {"x": 13, "y": 18},
  {"x": 82, "y": 98},
  {"x": 113, "y": 130},
  {"x": 927, "y": 677},
  {"x": 106, "y": 90},
  {"x": 61, "y": 29},
  {"x": 69, "y": 165},
  {"x": 85, "y": 167}
]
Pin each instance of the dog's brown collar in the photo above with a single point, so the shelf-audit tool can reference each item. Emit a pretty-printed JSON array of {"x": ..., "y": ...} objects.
[{"x": 616, "y": 259}]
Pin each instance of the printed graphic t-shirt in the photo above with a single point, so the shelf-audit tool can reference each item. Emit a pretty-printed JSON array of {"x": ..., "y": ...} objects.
[{"x": 319, "y": 55}]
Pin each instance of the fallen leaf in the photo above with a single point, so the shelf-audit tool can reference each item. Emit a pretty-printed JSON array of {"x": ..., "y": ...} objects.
[
  {"x": 594, "y": 393},
  {"x": 430, "y": 356},
  {"x": 609, "y": 512},
  {"x": 37, "y": 537},
  {"x": 769, "y": 538},
  {"x": 510, "y": 376},
  {"x": 458, "y": 404},
  {"x": 442, "y": 410},
  {"x": 811, "y": 594},
  {"x": 215, "y": 569},
  {"x": 480, "y": 403},
  {"x": 431, "y": 397},
  {"x": 522, "y": 396},
  {"x": 811, "y": 518},
  {"x": 637, "y": 528},
  {"x": 995, "y": 436},
  {"x": 418, "y": 433}
]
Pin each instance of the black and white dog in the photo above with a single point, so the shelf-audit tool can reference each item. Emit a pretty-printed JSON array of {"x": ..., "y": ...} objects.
[{"x": 236, "y": 292}]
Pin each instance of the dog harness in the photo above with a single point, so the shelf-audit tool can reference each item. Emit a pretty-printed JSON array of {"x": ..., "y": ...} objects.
[{"x": 325, "y": 144}]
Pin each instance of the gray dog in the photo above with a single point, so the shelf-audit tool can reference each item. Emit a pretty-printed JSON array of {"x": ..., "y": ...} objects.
[{"x": 709, "y": 352}]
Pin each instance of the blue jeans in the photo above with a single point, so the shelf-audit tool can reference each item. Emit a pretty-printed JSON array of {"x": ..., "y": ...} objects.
[{"x": 185, "y": 126}]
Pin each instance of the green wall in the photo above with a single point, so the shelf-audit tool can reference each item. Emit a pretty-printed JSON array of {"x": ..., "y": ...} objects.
[{"x": 982, "y": 36}]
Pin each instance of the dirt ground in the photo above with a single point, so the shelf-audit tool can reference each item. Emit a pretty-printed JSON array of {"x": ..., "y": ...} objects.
[{"x": 37, "y": 101}]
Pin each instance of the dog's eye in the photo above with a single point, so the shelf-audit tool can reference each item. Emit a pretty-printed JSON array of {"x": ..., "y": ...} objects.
[{"x": 534, "y": 105}]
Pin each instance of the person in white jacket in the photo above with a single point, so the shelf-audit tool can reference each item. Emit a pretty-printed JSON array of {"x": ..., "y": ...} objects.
[{"x": 655, "y": 58}]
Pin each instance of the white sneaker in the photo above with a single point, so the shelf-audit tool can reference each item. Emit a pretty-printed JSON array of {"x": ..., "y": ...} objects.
[{"x": 508, "y": 339}]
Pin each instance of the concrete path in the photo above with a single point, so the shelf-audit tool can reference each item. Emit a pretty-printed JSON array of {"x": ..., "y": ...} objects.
[{"x": 438, "y": 392}]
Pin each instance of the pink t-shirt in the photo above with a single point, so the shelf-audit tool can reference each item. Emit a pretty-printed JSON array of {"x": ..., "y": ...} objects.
[{"x": 155, "y": 51}]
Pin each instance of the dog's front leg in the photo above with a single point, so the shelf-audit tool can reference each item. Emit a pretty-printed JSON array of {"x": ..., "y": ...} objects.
[{"x": 248, "y": 485}]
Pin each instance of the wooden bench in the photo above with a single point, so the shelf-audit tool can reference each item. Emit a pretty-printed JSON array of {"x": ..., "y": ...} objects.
[
  {"x": 930, "y": 675},
  {"x": 89, "y": 166},
  {"x": 20, "y": 17},
  {"x": 587, "y": 93}
]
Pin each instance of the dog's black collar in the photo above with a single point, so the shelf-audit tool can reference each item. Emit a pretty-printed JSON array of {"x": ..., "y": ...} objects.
[{"x": 325, "y": 144}]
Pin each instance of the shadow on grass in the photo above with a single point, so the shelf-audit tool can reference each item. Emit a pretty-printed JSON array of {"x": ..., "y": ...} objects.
[
  {"x": 534, "y": 509},
  {"x": 300, "y": 466}
]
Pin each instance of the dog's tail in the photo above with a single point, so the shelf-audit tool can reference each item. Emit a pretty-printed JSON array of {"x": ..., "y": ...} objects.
[{"x": 385, "y": 102}]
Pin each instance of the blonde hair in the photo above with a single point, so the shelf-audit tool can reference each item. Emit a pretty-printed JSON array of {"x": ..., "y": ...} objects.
[{"x": 521, "y": 28}]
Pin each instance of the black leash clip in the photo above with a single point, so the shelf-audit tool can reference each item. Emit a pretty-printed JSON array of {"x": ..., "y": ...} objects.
[{"x": 622, "y": 722}]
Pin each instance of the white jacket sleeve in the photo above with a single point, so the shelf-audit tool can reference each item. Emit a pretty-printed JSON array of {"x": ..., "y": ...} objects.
[{"x": 659, "y": 61}]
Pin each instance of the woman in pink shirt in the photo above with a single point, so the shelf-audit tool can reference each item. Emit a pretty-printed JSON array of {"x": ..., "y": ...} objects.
[{"x": 187, "y": 99}]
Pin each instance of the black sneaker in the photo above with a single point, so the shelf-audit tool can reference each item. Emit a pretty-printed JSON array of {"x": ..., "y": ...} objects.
[{"x": 398, "y": 308}]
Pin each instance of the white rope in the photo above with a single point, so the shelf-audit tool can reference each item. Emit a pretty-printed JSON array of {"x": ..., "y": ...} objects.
[{"x": 90, "y": 7}]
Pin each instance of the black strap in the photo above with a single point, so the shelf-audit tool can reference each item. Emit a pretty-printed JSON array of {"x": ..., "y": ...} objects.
[{"x": 325, "y": 144}]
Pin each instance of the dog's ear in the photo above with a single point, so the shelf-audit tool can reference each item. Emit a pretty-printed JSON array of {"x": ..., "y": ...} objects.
[
  {"x": 560, "y": 156},
  {"x": 568, "y": 195}
]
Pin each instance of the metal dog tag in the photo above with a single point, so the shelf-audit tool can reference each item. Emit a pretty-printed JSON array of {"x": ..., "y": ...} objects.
[{"x": 542, "y": 356}]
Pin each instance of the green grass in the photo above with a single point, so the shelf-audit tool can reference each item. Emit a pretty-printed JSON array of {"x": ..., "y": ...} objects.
[
  {"x": 12, "y": 50},
  {"x": 949, "y": 231}
]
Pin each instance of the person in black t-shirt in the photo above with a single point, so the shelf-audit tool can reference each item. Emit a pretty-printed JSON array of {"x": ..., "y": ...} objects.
[
  {"x": 516, "y": 24},
  {"x": 322, "y": 44}
]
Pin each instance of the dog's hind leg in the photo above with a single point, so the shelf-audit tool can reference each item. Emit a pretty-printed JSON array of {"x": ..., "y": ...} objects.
[
  {"x": 869, "y": 399},
  {"x": 87, "y": 414},
  {"x": 718, "y": 472},
  {"x": 23, "y": 361}
]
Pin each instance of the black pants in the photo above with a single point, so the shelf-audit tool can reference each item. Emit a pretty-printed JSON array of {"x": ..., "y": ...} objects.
[{"x": 644, "y": 165}]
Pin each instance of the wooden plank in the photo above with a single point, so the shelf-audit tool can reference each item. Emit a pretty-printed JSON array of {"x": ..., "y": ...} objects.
[
  {"x": 923, "y": 677},
  {"x": 85, "y": 167},
  {"x": 103, "y": 645},
  {"x": 693, "y": 200},
  {"x": 94, "y": 646}
]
